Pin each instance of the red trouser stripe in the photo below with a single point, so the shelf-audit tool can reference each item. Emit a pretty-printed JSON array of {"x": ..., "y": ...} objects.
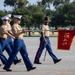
[{"x": 38, "y": 53}]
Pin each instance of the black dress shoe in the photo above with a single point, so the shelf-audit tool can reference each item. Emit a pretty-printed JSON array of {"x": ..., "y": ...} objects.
[
  {"x": 57, "y": 61},
  {"x": 32, "y": 68},
  {"x": 17, "y": 61},
  {"x": 37, "y": 63},
  {"x": 7, "y": 69}
]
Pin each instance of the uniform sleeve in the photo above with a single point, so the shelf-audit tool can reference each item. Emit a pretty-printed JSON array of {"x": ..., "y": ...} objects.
[
  {"x": 14, "y": 29},
  {"x": 43, "y": 28},
  {"x": 3, "y": 30},
  {"x": 9, "y": 27}
]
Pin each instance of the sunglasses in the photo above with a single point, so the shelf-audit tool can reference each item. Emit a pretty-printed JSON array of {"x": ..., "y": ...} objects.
[{"x": 5, "y": 20}]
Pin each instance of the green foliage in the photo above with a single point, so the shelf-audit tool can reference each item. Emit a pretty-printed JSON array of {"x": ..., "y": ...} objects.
[
  {"x": 47, "y": 3},
  {"x": 16, "y": 3},
  {"x": 2, "y": 13},
  {"x": 57, "y": 3},
  {"x": 63, "y": 15}
]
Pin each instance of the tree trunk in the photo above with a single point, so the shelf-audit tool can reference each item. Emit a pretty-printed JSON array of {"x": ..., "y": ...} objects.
[{"x": 29, "y": 33}]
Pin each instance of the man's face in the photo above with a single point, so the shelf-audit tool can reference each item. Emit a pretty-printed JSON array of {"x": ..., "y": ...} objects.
[
  {"x": 17, "y": 20},
  {"x": 5, "y": 22}
]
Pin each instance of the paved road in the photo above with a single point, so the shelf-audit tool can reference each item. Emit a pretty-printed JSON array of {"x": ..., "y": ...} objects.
[{"x": 65, "y": 67}]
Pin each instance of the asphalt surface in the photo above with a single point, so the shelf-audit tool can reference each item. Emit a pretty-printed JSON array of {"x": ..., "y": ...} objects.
[{"x": 65, "y": 67}]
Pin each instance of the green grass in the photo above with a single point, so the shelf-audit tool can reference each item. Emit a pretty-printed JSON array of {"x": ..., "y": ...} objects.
[
  {"x": 53, "y": 35},
  {"x": 36, "y": 35}
]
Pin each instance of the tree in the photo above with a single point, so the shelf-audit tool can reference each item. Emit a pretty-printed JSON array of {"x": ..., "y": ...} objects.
[
  {"x": 57, "y": 3},
  {"x": 47, "y": 3},
  {"x": 16, "y": 3},
  {"x": 2, "y": 13},
  {"x": 64, "y": 15}
]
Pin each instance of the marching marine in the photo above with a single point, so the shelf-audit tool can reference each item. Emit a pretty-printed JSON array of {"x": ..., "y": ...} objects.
[
  {"x": 45, "y": 43},
  {"x": 19, "y": 45}
]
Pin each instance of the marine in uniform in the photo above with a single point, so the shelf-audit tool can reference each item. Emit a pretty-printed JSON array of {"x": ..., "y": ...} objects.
[
  {"x": 9, "y": 39},
  {"x": 45, "y": 43},
  {"x": 2, "y": 37},
  {"x": 4, "y": 33},
  {"x": 19, "y": 46}
]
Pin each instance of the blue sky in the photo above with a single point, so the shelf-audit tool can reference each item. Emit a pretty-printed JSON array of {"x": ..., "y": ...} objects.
[{"x": 10, "y": 8}]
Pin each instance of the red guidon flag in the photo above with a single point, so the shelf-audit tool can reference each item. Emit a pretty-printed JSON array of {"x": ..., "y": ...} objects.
[{"x": 65, "y": 38}]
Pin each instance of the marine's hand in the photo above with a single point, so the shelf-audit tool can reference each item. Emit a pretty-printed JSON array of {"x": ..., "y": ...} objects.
[{"x": 24, "y": 31}]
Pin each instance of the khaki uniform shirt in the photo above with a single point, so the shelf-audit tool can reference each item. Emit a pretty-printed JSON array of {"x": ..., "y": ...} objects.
[
  {"x": 17, "y": 29},
  {"x": 9, "y": 27},
  {"x": 3, "y": 30},
  {"x": 46, "y": 31}
]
